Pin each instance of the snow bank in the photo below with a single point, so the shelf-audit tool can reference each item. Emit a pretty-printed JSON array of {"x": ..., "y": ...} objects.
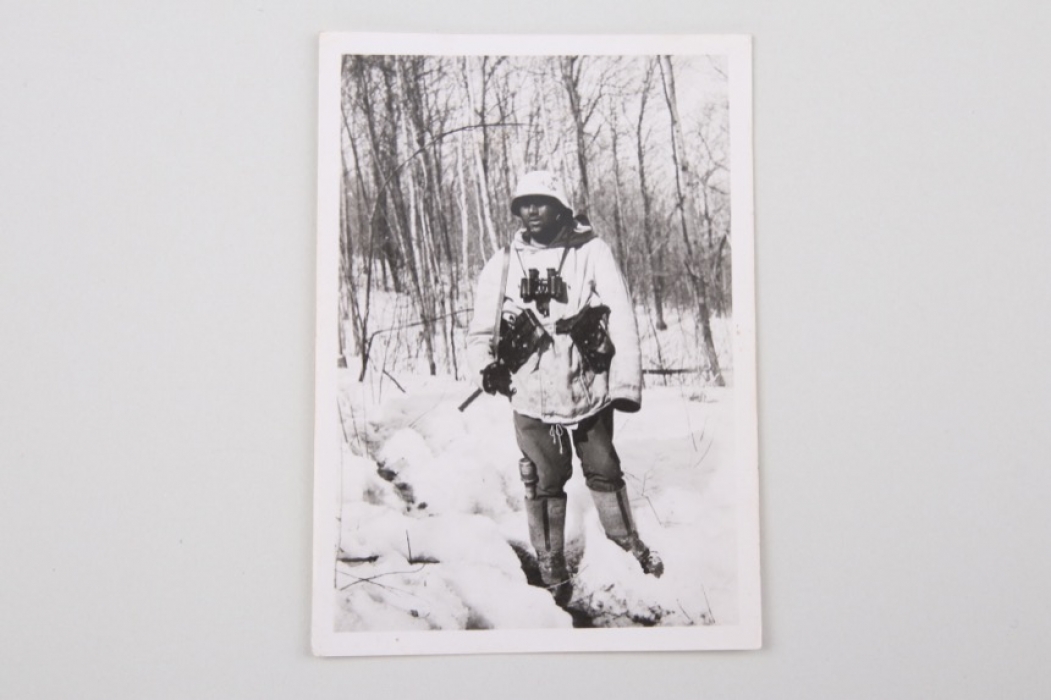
[
  {"x": 427, "y": 493},
  {"x": 432, "y": 533}
]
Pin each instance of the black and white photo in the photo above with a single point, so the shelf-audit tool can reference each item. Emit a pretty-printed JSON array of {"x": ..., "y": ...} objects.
[{"x": 535, "y": 401}]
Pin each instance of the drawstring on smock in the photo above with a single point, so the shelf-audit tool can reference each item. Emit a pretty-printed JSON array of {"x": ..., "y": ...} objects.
[{"x": 556, "y": 433}]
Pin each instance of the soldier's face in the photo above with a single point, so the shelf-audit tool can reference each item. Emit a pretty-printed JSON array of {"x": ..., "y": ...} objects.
[{"x": 541, "y": 216}]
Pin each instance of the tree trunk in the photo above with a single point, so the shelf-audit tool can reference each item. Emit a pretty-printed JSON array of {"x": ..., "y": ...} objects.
[
  {"x": 481, "y": 167},
  {"x": 618, "y": 217},
  {"x": 571, "y": 67},
  {"x": 695, "y": 266},
  {"x": 649, "y": 231},
  {"x": 416, "y": 241}
]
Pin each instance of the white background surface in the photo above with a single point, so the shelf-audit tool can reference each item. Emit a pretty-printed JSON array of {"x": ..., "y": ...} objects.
[{"x": 157, "y": 209}]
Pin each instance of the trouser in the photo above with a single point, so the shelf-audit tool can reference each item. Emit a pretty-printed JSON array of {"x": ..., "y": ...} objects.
[{"x": 548, "y": 446}]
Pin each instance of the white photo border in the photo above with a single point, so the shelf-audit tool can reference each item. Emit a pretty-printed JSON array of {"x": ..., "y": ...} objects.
[{"x": 747, "y": 633}]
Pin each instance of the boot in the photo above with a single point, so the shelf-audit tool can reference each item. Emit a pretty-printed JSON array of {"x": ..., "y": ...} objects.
[
  {"x": 547, "y": 524},
  {"x": 614, "y": 512}
]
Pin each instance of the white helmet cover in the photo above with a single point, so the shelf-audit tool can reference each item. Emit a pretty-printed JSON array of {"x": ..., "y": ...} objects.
[{"x": 539, "y": 183}]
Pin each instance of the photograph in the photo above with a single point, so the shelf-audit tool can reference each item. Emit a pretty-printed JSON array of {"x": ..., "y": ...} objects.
[
  {"x": 536, "y": 424},
  {"x": 611, "y": 350}
]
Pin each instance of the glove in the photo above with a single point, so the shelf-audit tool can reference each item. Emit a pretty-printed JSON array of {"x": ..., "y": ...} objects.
[{"x": 496, "y": 378}]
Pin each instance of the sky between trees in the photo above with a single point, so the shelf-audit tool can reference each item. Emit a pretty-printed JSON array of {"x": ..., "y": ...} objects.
[{"x": 432, "y": 147}]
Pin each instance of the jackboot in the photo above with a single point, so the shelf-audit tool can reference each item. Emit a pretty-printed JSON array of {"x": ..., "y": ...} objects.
[
  {"x": 547, "y": 526},
  {"x": 614, "y": 512}
]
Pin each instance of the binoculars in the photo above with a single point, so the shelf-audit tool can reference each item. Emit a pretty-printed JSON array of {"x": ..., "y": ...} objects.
[{"x": 542, "y": 290}]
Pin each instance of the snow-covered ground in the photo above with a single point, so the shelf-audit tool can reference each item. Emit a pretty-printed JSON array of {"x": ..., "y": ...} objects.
[
  {"x": 432, "y": 532},
  {"x": 397, "y": 344}
]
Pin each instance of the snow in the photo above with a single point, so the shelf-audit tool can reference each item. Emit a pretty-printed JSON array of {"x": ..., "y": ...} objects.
[
  {"x": 397, "y": 345},
  {"x": 432, "y": 531},
  {"x": 433, "y": 535}
]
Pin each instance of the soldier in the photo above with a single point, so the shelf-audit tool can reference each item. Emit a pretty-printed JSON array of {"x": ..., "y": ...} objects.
[{"x": 567, "y": 356}]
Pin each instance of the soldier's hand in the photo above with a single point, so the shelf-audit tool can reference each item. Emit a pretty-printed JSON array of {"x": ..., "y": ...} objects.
[{"x": 496, "y": 379}]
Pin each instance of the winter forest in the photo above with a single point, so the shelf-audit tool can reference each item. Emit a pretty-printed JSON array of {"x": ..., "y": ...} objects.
[
  {"x": 430, "y": 528},
  {"x": 433, "y": 146}
]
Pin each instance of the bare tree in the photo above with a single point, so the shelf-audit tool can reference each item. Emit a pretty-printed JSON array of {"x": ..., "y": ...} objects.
[
  {"x": 431, "y": 148},
  {"x": 581, "y": 109},
  {"x": 654, "y": 253},
  {"x": 695, "y": 267}
]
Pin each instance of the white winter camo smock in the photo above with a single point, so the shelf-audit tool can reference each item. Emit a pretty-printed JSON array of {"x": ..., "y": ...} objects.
[{"x": 554, "y": 385}]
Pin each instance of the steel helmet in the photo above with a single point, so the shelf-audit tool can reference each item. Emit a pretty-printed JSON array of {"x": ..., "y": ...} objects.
[{"x": 539, "y": 183}]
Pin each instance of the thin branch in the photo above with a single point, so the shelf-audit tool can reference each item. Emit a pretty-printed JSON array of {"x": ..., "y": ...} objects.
[
  {"x": 707, "y": 449},
  {"x": 400, "y": 387},
  {"x": 372, "y": 579},
  {"x": 711, "y": 615},
  {"x": 383, "y": 186}
]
